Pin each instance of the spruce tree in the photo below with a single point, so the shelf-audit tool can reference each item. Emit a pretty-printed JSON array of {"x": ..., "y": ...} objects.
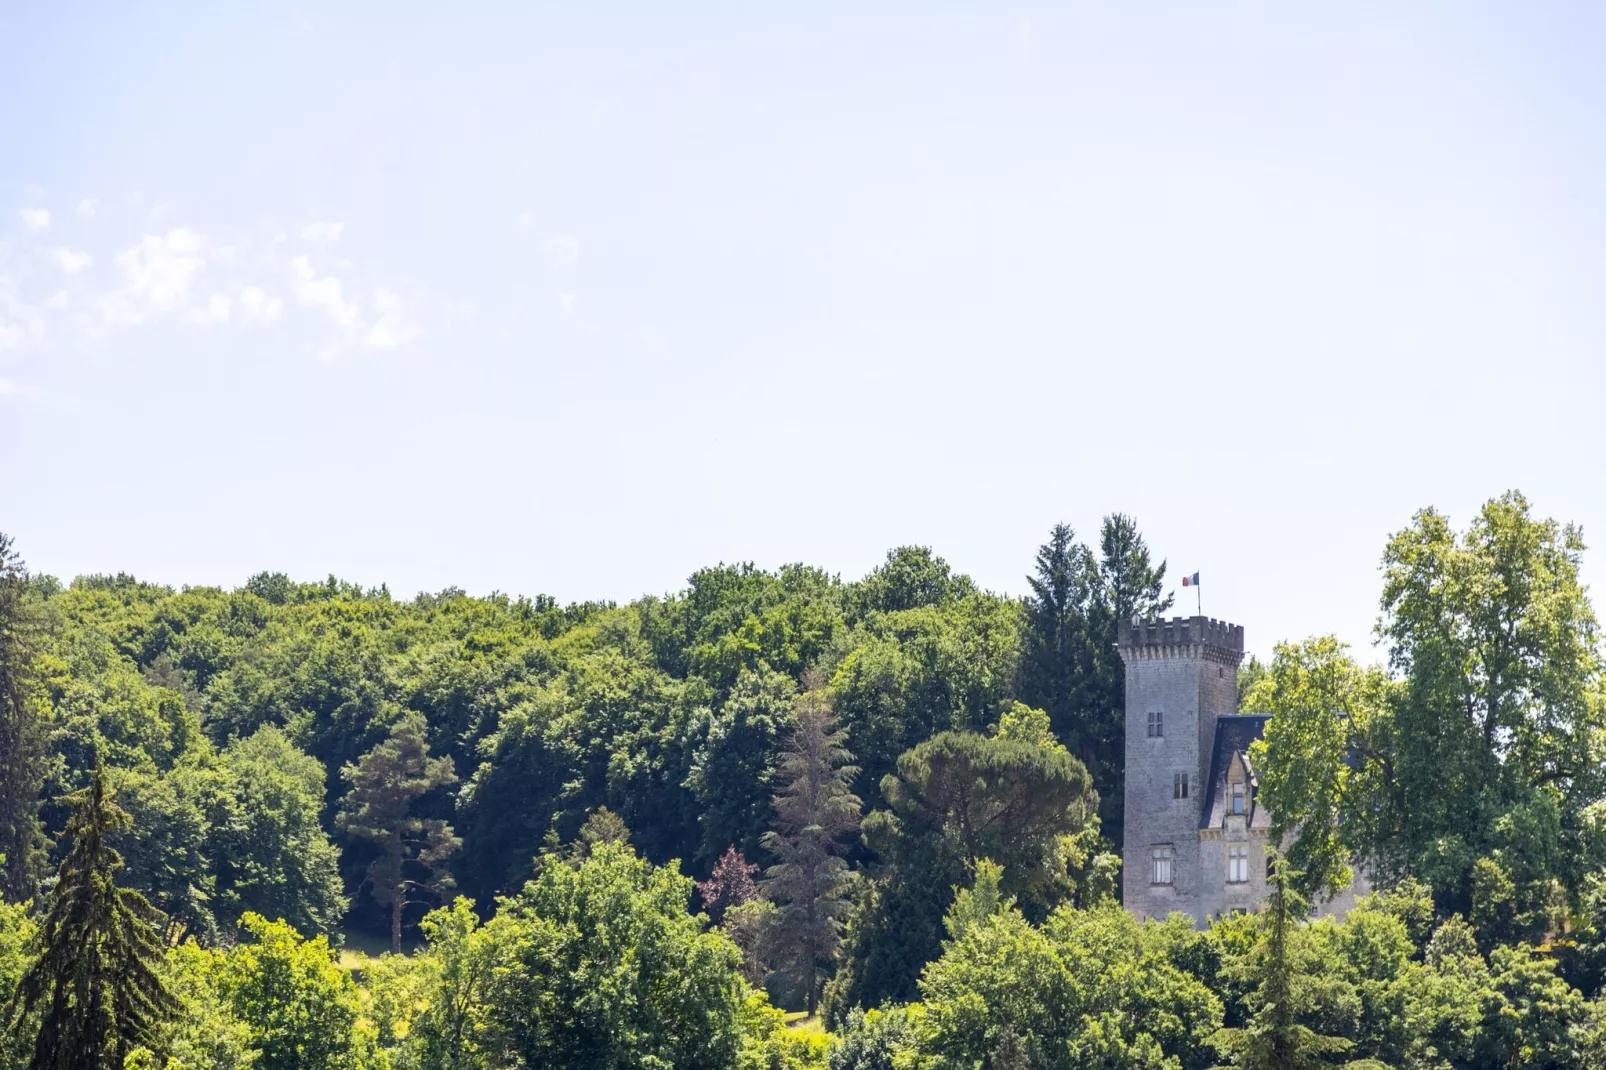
[
  {"x": 96, "y": 985},
  {"x": 22, "y": 751},
  {"x": 1276, "y": 1036},
  {"x": 814, "y": 810},
  {"x": 385, "y": 783}
]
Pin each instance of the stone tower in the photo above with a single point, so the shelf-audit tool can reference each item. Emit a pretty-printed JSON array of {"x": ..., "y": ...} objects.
[{"x": 1181, "y": 678}]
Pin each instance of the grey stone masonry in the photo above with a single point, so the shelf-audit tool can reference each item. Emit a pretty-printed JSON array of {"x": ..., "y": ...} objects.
[{"x": 1181, "y": 676}]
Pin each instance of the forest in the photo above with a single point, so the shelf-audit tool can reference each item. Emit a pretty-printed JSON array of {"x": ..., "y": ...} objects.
[{"x": 778, "y": 819}]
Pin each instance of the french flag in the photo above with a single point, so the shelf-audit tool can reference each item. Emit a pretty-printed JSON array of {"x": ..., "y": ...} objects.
[{"x": 1191, "y": 581}]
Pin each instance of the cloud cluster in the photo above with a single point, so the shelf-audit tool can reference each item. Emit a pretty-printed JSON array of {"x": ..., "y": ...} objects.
[{"x": 185, "y": 278}]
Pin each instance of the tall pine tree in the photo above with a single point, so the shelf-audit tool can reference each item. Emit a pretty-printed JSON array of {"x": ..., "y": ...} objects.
[
  {"x": 814, "y": 811},
  {"x": 1070, "y": 667},
  {"x": 22, "y": 750},
  {"x": 96, "y": 985},
  {"x": 385, "y": 783}
]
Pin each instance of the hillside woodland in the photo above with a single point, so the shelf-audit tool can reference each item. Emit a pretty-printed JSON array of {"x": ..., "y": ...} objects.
[{"x": 781, "y": 819}]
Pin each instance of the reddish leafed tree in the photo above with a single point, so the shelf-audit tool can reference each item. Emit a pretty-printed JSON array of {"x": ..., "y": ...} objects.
[{"x": 731, "y": 884}]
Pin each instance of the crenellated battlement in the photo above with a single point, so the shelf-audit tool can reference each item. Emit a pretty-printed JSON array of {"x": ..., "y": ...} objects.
[{"x": 1179, "y": 635}]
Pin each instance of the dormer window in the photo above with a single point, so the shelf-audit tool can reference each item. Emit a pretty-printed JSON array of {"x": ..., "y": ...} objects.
[
  {"x": 1156, "y": 724},
  {"x": 1238, "y": 796}
]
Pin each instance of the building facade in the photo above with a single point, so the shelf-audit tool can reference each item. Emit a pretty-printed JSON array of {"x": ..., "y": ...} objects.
[{"x": 1196, "y": 834}]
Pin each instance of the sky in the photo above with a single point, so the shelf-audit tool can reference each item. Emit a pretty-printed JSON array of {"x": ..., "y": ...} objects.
[{"x": 576, "y": 299}]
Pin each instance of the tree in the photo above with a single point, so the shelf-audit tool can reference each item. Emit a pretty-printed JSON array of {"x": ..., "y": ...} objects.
[
  {"x": 97, "y": 983},
  {"x": 300, "y": 1008},
  {"x": 814, "y": 810},
  {"x": 1016, "y": 797},
  {"x": 1088, "y": 988},
  {"x": 269, "y": 848},
  {"x": 1277, "y": 1036},
  {"x": 462, "y": 954},
  {"x": 22, "y": 771},
  {"x": 385, "y": 783},
  {"x": 1069, "y": 666},
  {"x": 599, "y": 966},
  {"x": 730, "y": 885}
]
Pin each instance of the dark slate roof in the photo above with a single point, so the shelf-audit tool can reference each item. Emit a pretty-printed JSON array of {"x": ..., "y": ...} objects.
[{"x": 1233, "y": 736}]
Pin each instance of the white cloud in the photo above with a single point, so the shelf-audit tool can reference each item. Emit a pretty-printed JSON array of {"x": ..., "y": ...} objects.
[
  {"x": 525, "y": 219},
  {"x": 8, "y": 389},
  {"x": 257, "y": 307},
  {"x": 570, "y": 303},
  {"x": 392, "y": 328},
  {"x": 88, "y": 207},
  {"x": 72, "y": 263},
  {"x": 35, "y": 219},
  {"x": 322, "y": 231},
  {"x": 324, "y": 293},
  {"x": 562, "y": 252},
  {"x": 217, "y": 309},
  {"x": 159, "y": 269}
]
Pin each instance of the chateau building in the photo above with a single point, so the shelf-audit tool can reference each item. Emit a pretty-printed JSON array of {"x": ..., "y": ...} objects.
[{"x": 1196, "y": 833}]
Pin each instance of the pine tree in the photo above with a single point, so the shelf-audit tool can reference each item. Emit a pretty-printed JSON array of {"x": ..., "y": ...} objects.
[
  {"x": 22, "y": 770},
  {"x": 1275, "y": 1037},
  {"x": 385, "y": 783},
  {"x": 1057, "y": 665},
  {"x": 814, "y": 809},
  {"x": 96, "y": 983}
]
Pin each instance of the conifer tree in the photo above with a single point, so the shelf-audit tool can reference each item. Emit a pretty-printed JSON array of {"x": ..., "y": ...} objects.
[
  {"x": 385, "y": 783},
  {"x": 814, "y": 810},
  {"x": 21, "y": 736},
  {"x": 1276, "y": 1038},
  {"x": 96, "y": 985}
]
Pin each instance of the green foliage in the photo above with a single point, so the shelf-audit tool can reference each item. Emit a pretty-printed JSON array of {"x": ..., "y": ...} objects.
[
  {"x": 599, "y": 965},
  {"x": 809, "y": 882},
  {"x": 22, "y": 770},
  {"x": 874, "y": 1039},
  {"x": 301, "y": 1010},
  {"x": 385, "y": 785},
  {"x": 1089, "y": 988},
  {"x": 96, "y": 984}
]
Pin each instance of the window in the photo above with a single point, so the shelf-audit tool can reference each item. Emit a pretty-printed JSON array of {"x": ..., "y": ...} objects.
[
  {"x": 1161, "y": 873},
  {"x": 1237, "y": 796},
  {"x": 1179, "y": 786},
  {"x": 1156, "y": 725},
  {"x": 1221, "y": 674},
  {"x": 1237, "y": 865}
]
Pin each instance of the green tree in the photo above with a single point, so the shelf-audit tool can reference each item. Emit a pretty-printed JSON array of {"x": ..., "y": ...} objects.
[
  {"x": 1496, "y": 645},
  {"x": 1089, "y": 988},
  {"x": 600, "y": 967},
  {"x": 1016, "y": 797},
  {"x": 447, "y": 1034},
  {"x": 97, "y": 983},
  {"x": 303, "y": 1012},
  {"x": 814, "y": 810},
  {"x": 1277, "y": 1036},
  {"x": 271, "y": 853},
  {"x": 385, "y": 783},
  {"x": 22, "y": 770},
  {"x": 1069, "y": 665}
]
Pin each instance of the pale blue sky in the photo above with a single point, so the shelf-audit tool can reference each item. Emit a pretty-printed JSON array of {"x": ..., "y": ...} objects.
[{"x": 578, "y": 298}]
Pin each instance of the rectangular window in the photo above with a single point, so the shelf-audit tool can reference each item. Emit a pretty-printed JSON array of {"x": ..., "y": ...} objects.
[
  {"x": 1179, "y": 786},
  {"x": 1162, "y": 866},
  {"x": 1237, "y": 865},
  {"x": 1238, "y": 796},
  {"x": 1156, "y": 725}
]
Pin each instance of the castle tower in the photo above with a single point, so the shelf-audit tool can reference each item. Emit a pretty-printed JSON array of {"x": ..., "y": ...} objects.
[{"x": 1181, "y": 678}]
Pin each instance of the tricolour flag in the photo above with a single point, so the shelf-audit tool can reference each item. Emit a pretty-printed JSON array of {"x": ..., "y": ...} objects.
[{"x": 1191, "y": 581}]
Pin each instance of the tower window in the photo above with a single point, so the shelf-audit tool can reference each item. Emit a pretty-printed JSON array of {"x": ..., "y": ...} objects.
[
  {"x": 1237, "y": 796},
  {"x": 1156, "y": 724},
  {"x": 1220, "y": 673},
  {"x": 1160, "y": 859},
  {"x": 1179, "y": 785},
  {"x": 1237, "y": 865}
]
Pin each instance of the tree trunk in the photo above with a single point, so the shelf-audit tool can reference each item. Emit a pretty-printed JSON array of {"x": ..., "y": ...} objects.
[{"x": 396, "y": 920}]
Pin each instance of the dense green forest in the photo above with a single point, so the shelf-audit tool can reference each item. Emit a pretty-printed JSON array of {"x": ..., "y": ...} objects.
[{"x": 620, "y": 836}]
